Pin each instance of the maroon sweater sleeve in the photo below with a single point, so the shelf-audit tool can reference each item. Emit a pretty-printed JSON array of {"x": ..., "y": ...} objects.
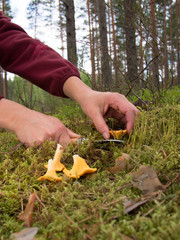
[{"x": 33, "y": 60}]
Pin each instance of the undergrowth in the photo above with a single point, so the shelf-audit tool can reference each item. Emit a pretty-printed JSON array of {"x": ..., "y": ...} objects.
[{"x": 74, "y": 209}]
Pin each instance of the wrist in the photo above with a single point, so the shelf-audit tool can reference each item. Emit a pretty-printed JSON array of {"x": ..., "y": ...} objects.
[
  {"x": 76, "y": 89},
  {"x": 12, "y": 114}
]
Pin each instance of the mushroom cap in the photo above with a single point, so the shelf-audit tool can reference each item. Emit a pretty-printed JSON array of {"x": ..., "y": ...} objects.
[
  {"x": 117, "y": 133},
  {"x": 51, "y": 174},
  {"x": 79, "y": 168}
]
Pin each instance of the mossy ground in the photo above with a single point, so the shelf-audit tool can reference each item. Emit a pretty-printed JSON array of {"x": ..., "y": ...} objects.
[{"x": 87, "y": 208}]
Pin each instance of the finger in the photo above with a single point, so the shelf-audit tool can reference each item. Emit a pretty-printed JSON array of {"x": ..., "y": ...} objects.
[
  {"x": 64, "y": 138},
  {"x": 130, "y": 116},
  {"x": 72, "y": 134},
  {"x": 101, "y": 125}
]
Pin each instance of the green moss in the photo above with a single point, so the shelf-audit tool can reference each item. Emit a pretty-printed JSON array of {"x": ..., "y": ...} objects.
[{"x": 74, "y": 209}]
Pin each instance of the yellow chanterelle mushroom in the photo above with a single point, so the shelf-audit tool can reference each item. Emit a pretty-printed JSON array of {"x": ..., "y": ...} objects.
[
  {"x": 79, "y": 168},
  {"x": 58, "y": 166},
  {"x": 51, "y": 173},
  {"x": 117, "y": 133}
]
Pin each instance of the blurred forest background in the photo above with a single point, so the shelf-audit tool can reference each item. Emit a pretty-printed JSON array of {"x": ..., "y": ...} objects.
[{"x": 131, "y": 47}]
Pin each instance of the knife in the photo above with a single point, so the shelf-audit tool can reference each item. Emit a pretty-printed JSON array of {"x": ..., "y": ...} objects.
[{"x": 82, "y": 140}]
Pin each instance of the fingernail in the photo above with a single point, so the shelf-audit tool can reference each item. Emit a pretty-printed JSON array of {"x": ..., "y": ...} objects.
[{"x": 105, "y": 135}]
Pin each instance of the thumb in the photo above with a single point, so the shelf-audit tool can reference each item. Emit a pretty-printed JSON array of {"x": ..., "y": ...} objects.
[
  {"x": 101, "y": 125},
  {"x": 64, "y": 139}
]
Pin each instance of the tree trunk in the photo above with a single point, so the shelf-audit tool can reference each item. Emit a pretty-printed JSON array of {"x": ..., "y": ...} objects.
[
  {"x": 141, "y": 48},
  {"x": 129, "y": 26},
  {"x": 177, "y": 39},
  {"x": 5, "y": 93},
  {"x": 114, "y": 44},
  {"x": 33, "y": 8},
  {"x": 109, "y": 30},
  {"x": 155, "y": 52},
  {"x": 166, "y": 70},
  {"x": 61, "y": 27},
  {"x": 171, "y": 38},
  {"x": 1, "y": 81},
  {"x": 4, "y": 78},
  {"x": 105, "y": 66},
  {"x": 71, "y": 31},
  {"x": 97, "y": 49},
  {"x": 91, "y": 38}
]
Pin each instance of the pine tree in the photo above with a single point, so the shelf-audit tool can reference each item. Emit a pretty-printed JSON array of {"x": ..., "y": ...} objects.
[
  {"x": 177, "y": 39},
  {"x": 92, "y": 42},
  {"x": 129, "y": 26},
  {"x": 155, "y": 52},
  {"x": 6, "y": 9},
  {"x": 71, "y": 31},
  {"x": 105, "y": 65}
]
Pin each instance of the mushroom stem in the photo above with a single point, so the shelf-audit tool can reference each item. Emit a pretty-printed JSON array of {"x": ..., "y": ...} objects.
[
  {"x": 79, "y": 168},
  {"x": 58, "y": 166},
  {"x": 51, "y": 173}
]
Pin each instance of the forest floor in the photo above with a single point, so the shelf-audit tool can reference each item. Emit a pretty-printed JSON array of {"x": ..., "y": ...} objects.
[{"x": 113, "y": 203}]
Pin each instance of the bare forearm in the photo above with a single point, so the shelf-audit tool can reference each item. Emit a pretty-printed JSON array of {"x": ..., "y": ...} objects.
[
  {"x": 11, "y": 113},
  {"x": 75, "y": 89},
  {"x": 32, "y": 127}
]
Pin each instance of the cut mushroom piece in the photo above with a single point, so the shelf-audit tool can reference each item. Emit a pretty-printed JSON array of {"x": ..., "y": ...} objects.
[
  {"x": 51, "y": 173},
  {"x": 58, "y": 166},
  {"x": 79, "y": 168},
  {"x": 118, "y": 133}
]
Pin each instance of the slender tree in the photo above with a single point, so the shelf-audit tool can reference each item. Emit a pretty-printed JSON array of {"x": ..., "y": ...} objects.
[
  {"x": 114, "y": 43},
  {"x": 171, "y": 37},
  {"x": 91, "y": 39},
  {"x": 1, "y": 70},
  {"x": 97, "y": 47},
  {"x": 129, "y": 26},
  {"x": 141, "y": 44},
  {"x": 1, "y": 80},
  {"x": 109, "y": 23},
  {"x": 61, "y": 26},
  {"x": 155, "y": 52},
  {"x": 3, "y": 74},
  {"x": 71, "y": 31},
  {"x": 33, "y": 15},
  {"x": 105, "y": 65},
  {"x": 177, "y": 39},
  {"x": 166, "y": 70}
]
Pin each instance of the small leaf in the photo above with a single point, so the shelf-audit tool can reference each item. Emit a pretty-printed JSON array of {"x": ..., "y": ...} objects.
[
  {"x": 122, "y": 164},
  {"x": 146, "y": 180},
  {"x": 124, "y": 237},
  {"x": 132, "y": 204},
  {"x": 25, "y": 234},
  {"x": 26, "y": 216}
]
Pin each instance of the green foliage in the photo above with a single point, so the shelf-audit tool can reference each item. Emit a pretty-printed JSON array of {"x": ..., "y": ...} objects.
[
  {"x": 19, "y": 91},
  {"x": 75, "y": 209},
  {"x": 86, "y": 78},
  {"x": 170, "y": 96},
  {"x": 7, "y": 10}
]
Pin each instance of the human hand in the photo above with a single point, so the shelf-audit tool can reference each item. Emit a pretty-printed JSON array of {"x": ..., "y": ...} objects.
[
  {"x": 100, "y": 105},
  {"x": 41, "y": 127},
  {"x": 31, "y": 127}
]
